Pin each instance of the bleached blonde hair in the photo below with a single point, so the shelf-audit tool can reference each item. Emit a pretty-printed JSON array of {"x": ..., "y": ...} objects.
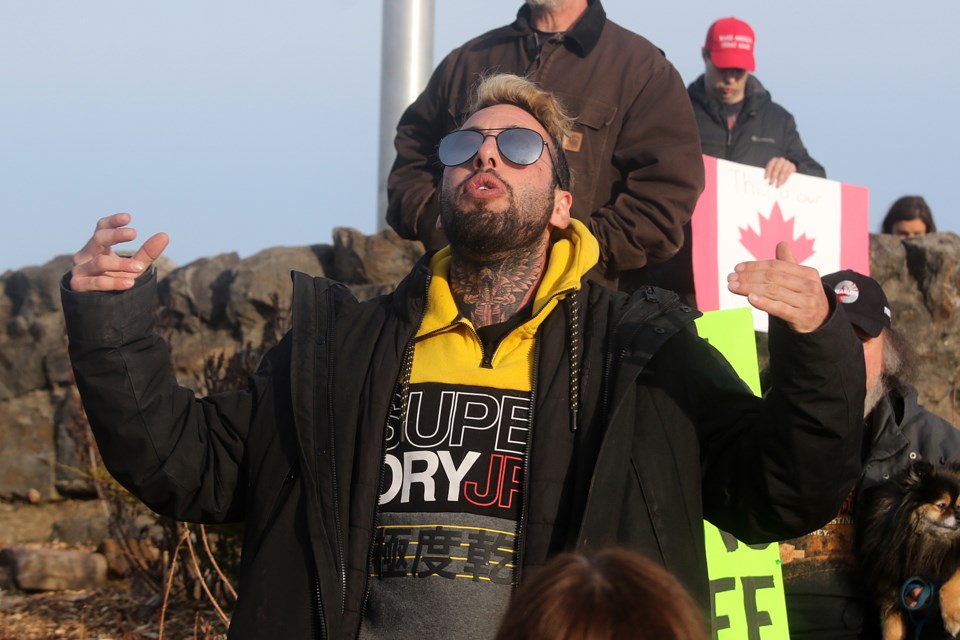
[{"x": 507, "y": 88}]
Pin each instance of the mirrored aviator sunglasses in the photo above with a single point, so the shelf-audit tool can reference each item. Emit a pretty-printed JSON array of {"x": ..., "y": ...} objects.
[{"x": 518, "y": 145}]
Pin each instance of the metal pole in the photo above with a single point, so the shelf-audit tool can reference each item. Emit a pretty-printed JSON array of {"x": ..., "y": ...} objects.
[{"x": 405, "y": 66}]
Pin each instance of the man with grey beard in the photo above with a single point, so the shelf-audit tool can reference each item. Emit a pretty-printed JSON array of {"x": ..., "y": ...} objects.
[{"x": 824, "y": 599}]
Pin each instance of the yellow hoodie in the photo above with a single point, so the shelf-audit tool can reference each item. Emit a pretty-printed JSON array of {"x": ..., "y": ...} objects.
[{"x": 447, "y": 348}]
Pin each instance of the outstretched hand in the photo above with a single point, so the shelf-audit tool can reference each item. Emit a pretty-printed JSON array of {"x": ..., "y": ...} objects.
[
  {"x": 784, "y": 289},
  {"x": 96, "y": 267}
]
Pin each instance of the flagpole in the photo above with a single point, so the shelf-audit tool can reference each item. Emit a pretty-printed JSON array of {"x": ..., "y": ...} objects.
[{"x": 405, "y": 65}]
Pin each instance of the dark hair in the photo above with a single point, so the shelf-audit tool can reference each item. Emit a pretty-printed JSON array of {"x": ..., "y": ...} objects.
[
  {"x": 612, "y": 595},
  {"x": 909, "y": 208}
]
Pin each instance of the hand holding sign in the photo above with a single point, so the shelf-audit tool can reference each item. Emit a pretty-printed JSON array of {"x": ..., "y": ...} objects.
[
  {"x": 784, "y": 289},
  {"x": 778, "y": 170}
]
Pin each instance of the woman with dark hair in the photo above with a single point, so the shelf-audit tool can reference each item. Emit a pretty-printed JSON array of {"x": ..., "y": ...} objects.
[
  {"x": 909, "y": 216},
  {"x": 612, "y": 595}
]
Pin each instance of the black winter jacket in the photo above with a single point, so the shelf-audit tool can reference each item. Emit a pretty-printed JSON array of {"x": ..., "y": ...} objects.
[
  {"x": 903, "y": 431},
  {"x": 764, "y": 130},
  {"x": 665, "y": 435}
]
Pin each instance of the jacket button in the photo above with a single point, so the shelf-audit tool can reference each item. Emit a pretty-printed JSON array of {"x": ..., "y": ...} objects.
[
  {"x": 886, "y": 476},
  {"x": 913, "y": 455},
  {"x": 659, "y": 330}
]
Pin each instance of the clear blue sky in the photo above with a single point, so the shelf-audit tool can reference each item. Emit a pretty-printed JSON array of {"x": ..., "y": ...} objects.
[{"x": 240, "y": 125}]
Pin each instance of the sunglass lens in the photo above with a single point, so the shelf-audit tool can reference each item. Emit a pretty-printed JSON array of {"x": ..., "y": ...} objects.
[
  {"x": 459, "y": 146},
  {"x": 520, "y": 146}
]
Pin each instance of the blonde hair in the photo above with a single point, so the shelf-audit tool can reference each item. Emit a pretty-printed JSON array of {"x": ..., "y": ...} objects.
[{"x": 506, "y": 88}]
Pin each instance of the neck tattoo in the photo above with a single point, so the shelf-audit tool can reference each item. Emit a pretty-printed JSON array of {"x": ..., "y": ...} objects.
[{"x": 492, "y": 291}]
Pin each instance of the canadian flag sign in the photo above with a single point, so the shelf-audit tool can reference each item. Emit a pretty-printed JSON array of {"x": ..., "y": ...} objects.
[{"x": 740, "y": 218}]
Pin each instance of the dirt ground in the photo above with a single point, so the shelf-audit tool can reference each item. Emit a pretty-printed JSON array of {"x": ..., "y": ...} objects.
[{"x": 116, "y": 611}]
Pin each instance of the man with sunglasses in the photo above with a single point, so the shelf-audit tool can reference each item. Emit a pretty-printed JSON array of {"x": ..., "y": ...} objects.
[
  {"x": 633, "y": 150},
  {"x": 402, "y": 463}
]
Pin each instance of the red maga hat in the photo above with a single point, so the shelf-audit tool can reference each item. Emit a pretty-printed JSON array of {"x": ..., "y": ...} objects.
[{"x": 730, "y": 44}]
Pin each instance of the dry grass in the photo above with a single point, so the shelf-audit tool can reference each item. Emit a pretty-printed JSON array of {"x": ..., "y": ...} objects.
[{"x": 115, "y": 611}]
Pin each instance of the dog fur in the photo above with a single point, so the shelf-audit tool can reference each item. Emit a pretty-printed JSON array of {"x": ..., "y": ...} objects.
[{"x": 910, "y": 526}]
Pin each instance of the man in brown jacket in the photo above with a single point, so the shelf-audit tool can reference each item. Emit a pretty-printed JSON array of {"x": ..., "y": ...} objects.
[{"x": 634, "y": 152}]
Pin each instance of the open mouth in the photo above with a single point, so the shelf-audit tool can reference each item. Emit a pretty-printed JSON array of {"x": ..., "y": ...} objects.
[{"x": 483, "y": 185}]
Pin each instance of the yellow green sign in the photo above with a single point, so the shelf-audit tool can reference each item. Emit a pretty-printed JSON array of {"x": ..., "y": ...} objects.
[{"x": 746, "y": 585}]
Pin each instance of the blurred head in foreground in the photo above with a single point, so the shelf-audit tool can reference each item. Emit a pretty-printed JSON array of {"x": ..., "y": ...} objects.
[{"x": 609, "y": 595}]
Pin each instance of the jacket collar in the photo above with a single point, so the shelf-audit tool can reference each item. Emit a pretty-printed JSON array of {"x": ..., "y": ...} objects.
[
  {"x": 581, "y": 39},
  {"x": 754, "y": 95},
  {"x": 410, "y": 295},
  {"x": 884, "y": 428}
]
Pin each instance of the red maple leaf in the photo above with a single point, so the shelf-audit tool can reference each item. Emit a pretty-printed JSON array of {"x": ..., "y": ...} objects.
[{"x": 774, "y": 229}]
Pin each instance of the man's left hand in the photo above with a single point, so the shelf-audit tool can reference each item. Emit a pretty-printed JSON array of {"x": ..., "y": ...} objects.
[
  {"x": 778, "y": 170},
  {"x": 784, "y": 289}
]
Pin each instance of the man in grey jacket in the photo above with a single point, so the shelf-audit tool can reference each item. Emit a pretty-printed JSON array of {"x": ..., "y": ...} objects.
[{"x": 824, "y": 599}]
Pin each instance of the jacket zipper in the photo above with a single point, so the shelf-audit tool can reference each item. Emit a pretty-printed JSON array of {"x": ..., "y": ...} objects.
[
  {"x": 403, "y": 382},
  {"x": 328, "y": 336},
  {"x": 524, "y": 497},
  {"x": 729, "y": 149},
  {"x": 319, "y": 602}
]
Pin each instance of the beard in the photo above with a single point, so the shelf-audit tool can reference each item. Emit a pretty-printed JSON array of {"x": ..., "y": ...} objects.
[
  {"x": 875, "y": 395},
  {"x": 478, "y": 231}
]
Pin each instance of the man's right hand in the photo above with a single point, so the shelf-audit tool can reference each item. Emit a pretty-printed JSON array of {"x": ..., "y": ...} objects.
[{"x": 97, "y": 267}]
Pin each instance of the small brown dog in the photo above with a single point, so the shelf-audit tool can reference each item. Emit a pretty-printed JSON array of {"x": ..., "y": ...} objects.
[{"x": 910, "y": 527}]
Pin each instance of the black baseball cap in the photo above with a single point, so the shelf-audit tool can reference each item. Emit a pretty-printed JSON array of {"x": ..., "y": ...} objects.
[{"x": 863, "y": 300}]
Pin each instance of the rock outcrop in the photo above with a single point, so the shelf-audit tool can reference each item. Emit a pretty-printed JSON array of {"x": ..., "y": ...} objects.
[
  {"x": 222, "y": 303},
  {"x": 211, "y": 306}
]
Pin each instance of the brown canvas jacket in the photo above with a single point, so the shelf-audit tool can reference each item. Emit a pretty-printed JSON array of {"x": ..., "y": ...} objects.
[{"x": 635, "y": 154}]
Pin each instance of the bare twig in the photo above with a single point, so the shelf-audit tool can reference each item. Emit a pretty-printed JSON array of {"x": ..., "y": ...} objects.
[
  {"x": 173, "y": 565},
  {"x": 203, "y": 583},
  {"x": 216, "y": 565}
]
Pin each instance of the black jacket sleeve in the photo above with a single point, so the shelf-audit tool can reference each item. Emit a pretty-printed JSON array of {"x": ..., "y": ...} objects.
[
  {"x": 181, "y": 455},
  {"x": 799, "y": 457}
]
